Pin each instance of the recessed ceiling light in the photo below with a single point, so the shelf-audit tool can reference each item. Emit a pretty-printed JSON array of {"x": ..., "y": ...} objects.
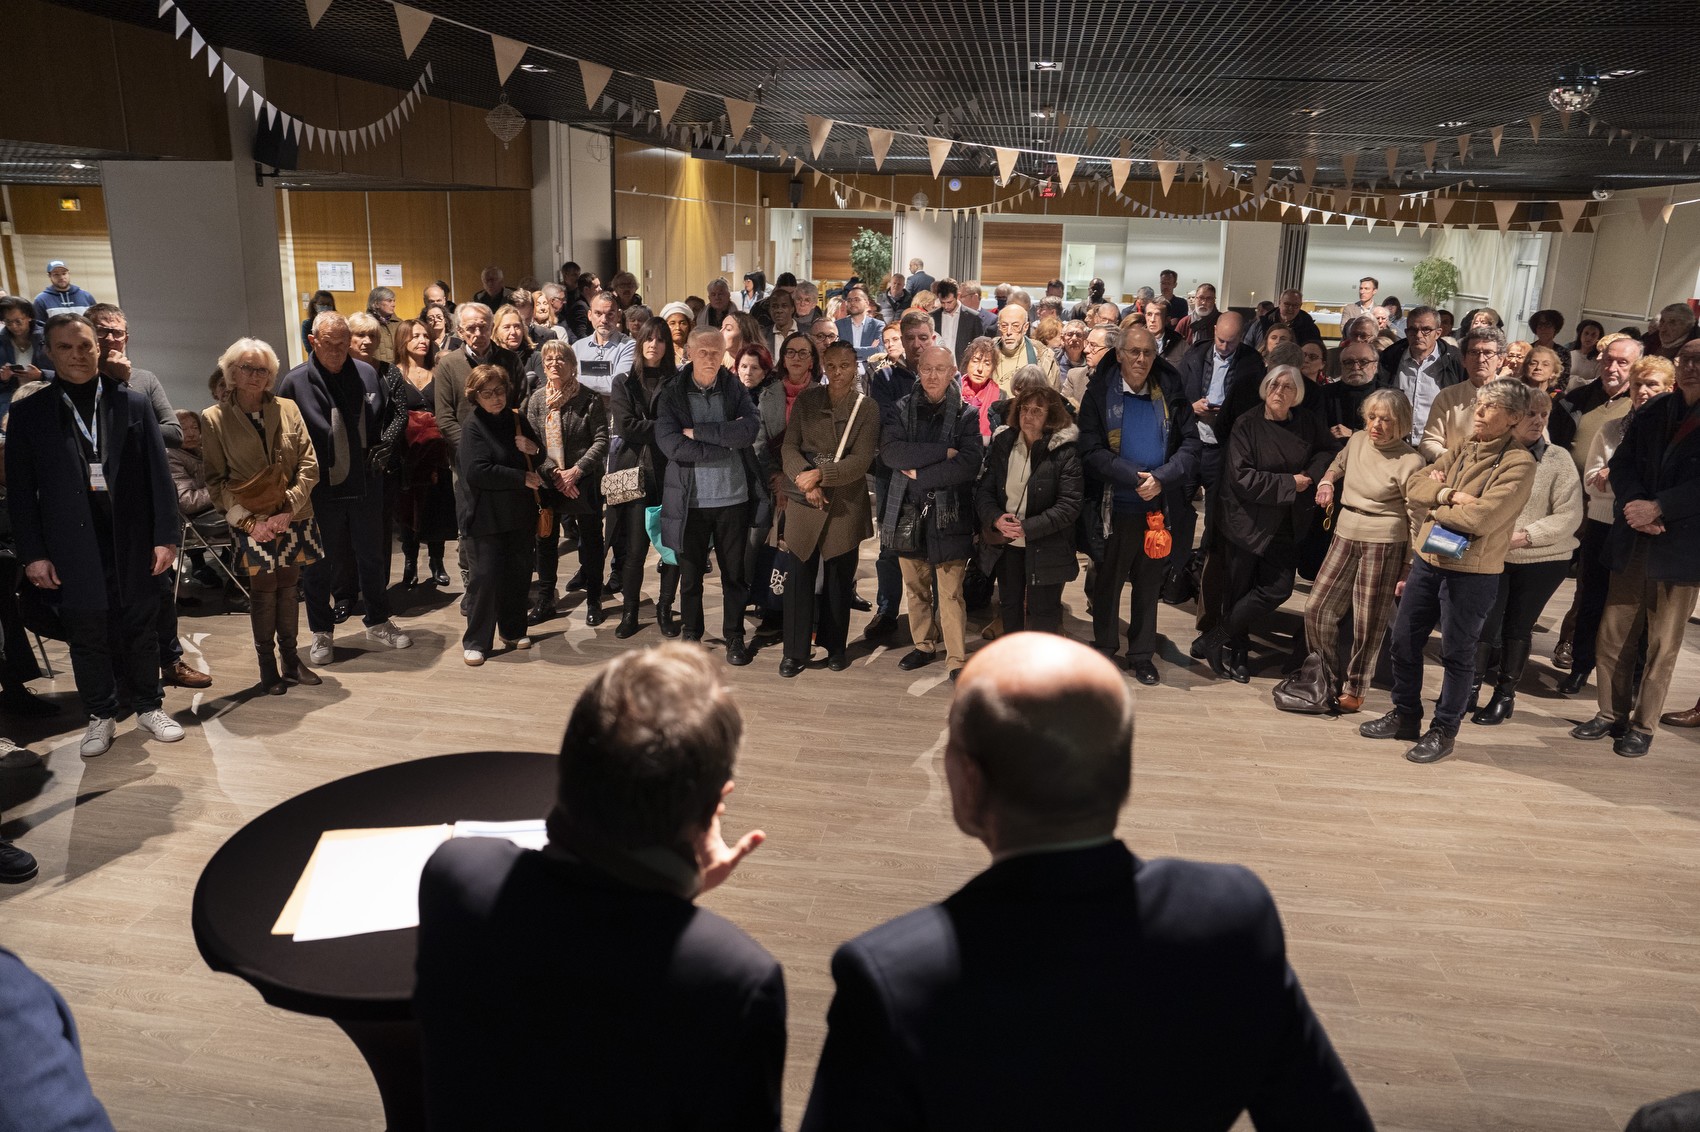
[
  {"x": 1046, "y": 65},
  {"x": 1308, "y": 111},
  {"x": 1452, "y": 125},
  {"x": 1236, "y": 145},
  {"x": 78, "y": 165},
  {"x": 1043, "y": 112},
  {"x": 1624, "y": 73},
  {"x": 533, "y": 68}
]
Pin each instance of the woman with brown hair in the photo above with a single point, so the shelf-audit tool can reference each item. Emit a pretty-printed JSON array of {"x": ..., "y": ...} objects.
[
  {"x": 634, "y": 404},
  {"x": 425, "y": 502},
  {"x": 573, "y": 425},
  {"x": 261, "y": 470},
  {"x": 498, "y": 512},
  {"x": 1027, "y": 500}
]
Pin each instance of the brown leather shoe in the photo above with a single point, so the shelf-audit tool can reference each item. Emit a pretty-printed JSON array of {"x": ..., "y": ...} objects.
[
  {"x": 1689, "y": 718},
  {"x": 1348, "y": 703},
  {"x": 185, "y": 677}
]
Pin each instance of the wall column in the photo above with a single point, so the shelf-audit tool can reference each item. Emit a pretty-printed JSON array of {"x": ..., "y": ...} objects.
[{"x": 572, "y": 199}]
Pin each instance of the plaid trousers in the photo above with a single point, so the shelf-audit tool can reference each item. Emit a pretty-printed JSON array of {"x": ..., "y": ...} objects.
[{"x": 1359, "y": 577}]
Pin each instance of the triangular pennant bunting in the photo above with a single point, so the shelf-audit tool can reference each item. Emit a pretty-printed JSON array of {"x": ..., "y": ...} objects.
[
  {"x": 1392, "y": 155},
  {"x": 1065, "y": 170},
  {"x": 508, "y": 54},
  {"x": 938, "y": 149},
  {"x": 1119, "y": 169},
  {"x": 595, "y": 77},
  {"x": 1650, "y": 209},
  {"x": 182, "y": 24},
  {"x": 316, "y": 11},
  {"x": 739, "y": 114},
  {"x": 1307, "y": 170},
  {"x": 1428, "y": 154},
  {"x": 879, "y": 144},
  {"x": 229, "y": 76},
  {"x": 1534, "y": 127},
  {"x": 1166, "y": 174},
  {"x": 1260, "y": 179},
  {"x": 1464, "y": 146},
  {"x": 1497, "y": 134},
  {"x": 413, "y": 24},
  {"x": 819, "y": 128},
  {"x": 1442, "y": 207},
  {"x": 667, "y": 99},
  {"x": 1502, "y": 212},
  {"x": 1348, "y": 166},
  {"x": 1006, "y": 162}
]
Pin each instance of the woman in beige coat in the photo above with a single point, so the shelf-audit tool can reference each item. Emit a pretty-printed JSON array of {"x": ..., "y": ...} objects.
[
  {"x": 830, "y": 442},
  {"x": 261, "y": 469}
]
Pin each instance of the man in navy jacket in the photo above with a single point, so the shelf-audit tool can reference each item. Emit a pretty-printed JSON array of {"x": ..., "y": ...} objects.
[
  {"x": 1071, "y": 984},
  {"x": 42, "y": 1082},
  {"x": 94, "y": 513}
]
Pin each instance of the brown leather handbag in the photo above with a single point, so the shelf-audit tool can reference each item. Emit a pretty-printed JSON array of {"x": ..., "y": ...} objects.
[
  {"x": 545, "y": 515},
  {"x": 264, "y": 492}
]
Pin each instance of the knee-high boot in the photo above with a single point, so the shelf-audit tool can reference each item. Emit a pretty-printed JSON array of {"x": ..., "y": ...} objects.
[
  {"x": 1511, "y": 663},
  {"x": 288, "y": 625},
  {"x": 1487, "y": 660},
  {"x": 262, "y": 618}
]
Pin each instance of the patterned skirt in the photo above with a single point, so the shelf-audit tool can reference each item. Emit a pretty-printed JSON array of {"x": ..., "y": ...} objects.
[{"x": 297, "y": 546}]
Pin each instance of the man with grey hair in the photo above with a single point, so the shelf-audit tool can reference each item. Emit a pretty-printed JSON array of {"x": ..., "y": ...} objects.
[
  {"x": 1022, "y": 1000},
  {"x": 493, "y": 293},
  {"x": 1473, "y": 494},
  {"x": 918, "y": 280},
  {"x": 607, "y": 354},
  {"x": 380, "y": 304},
  {"x": 1360, "y": 329},
  {"x": 972, "y": 297},
  {"x": 719, "y": 304},
  {"x": 1140, "y": 298},
  {"x": 1016, "y": 349},
  {"x": 1675, "y": 328},
  {"x": 1420, "y": 367},
  {"x": 1451, "y": 418},
  {"x": 1100, "y": 340}
]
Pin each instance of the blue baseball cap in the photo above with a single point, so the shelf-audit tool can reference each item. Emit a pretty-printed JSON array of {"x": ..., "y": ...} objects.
[{"x": 55, "y": 264}]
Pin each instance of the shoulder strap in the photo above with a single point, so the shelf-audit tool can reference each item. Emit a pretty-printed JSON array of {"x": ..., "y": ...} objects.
[{"x": 848, "y": 425}]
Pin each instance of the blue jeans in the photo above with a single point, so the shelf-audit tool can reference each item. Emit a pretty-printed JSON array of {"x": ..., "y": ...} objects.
[{"x": 1459, "y": 604}]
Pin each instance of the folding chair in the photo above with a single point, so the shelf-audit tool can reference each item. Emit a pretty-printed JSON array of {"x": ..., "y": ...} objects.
[{"x": 210, "y": 541}]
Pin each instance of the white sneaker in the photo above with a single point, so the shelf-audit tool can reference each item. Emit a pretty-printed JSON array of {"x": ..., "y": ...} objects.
[
  {"x": 97, "y": 740},
  {"x": 320, "y": 653},
  {"x": 160, "y": 726},
  {"x": 522, "y": 643},
  {"x": 388, "y": 633},
  {"x": 472, "y": 657}
]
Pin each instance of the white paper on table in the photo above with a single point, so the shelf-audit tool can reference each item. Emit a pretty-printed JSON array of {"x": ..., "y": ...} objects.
[
  {"x": 530, "y": 834},
  {"x": 367, "y": 884}
]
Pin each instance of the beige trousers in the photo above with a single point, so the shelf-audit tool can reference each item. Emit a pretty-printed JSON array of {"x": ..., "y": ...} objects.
[
  {"x": 1664, "y": 608},
  {"x": 920, "y": 577}
]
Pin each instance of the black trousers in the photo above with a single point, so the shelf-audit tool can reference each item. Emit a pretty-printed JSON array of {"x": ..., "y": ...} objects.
[
  {"x": 165, "y": 625},
  {"x": 112, "y": 645},
  {"x": 889, "y": 599},
  {"x": 17, "y": 654},
  {"x": 834, "y": 605},
  {"x": 592, "y": 552},
  {"x": 352, "y": 531},
  {"x": 1023, "y": 605},
  {"x": 728, "y": 529},
  {"x": 1257, "y": 585},
  {"x": 497, "y": 589},
  {"x": 1125, "y": 561},
  {"x": 1459, "y": 604},
  {"x": 1593, "y": 581},
  {"x": 626, "y": 523},
  {"x": 1524, "y": 590}
]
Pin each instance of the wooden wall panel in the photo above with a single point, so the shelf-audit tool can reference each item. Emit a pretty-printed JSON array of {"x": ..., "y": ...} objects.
[
  {"x": 171, "y": 105},
  {"x": 513, "y": 162},
  {"x": 35, "y": 211},
  {"x": 56, "y": 83},
  {"x": 330, "y": 227},
  {"x": 698, "y": 233},
  {"x": 1020, "y": 253},
  {"x": 473, "y": 145},
  {"x": 640, "y": 168},
  {"x": 411, "y": 229},
  {"x": 361, "y": 104},
  {"x": 831, "y": 243},
  {"x": 427, "y": 153},
  {"x": 311, "y": 96},
  {"x": 489, "y": 227}
]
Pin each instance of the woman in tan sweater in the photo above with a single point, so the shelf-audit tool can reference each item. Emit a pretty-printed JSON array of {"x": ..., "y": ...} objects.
[
  {"x": 1372, "y": 542},
  {"x": 1474, "y": 494},
  {"x": 249, "y": 432}
]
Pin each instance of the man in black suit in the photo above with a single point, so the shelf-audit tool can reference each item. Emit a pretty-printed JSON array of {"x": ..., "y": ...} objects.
[
  {"x": 954, "y": 326},
  {"x": 1071, "y": 984},
  {"x": 580, "y": 986},
  {"x": 1210, "y": 373},
  {"x": 94, "y": 514},
  {"x": 918, "y": 280}
]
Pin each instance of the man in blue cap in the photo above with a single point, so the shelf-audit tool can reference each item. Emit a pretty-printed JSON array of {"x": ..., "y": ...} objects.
[{"x": 61, "y": 296}]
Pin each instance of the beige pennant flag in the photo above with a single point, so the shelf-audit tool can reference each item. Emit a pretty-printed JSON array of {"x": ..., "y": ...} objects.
[
  {"x": 413, "y": 24},
  {"x": 796, "y": 167},
  {"x": 1260, "y": 178},
  {"x": 1428, "y": 154},
  {"x": 508, "y": 54},
  {"x": 1166, "y": 174},
  {"x": 1125, "y": 148},
  {"x": 1534, "y": 127},
  {"x": 1348, "y": 166},
  {"x": 595, "y": 77},
  {"x": 315, "y": 12},
  {"x": 739, "y": 115},
  {"x": 1392, "y": 155},
  {"x": 1464, "y": 146},
  {"x": 819, "y": 128},
  {"x": 1390, "y": 203},
  {"x": 1063, "y": 120},
  {"x": 1503, "y": 210},
  {"x": 939, "y": 150},
  {"x": 1658, "y": 149},
  {"x": 1634, "y": 140},
  {"x": 1091, "y": 135},
  {"x": 1564, "y": 119},
  {"x": 667, "y": 99},
  {"x": 1498, "y": 135},
  {"x": 1119, "y": 169},
  {"x": 1687, "y": 150},
  {"x": 1006, "y": 162},
  {"x": 1307, "y": 170},
  {"x": 1398, "y": 226},
  {"x": 1650, "y": 209},
  {"x": 879, "y": 144},
  {"x": 1065, "y": 169},
  {"x": 1664, "y": 213},
  {"x": 1442, "y": 208}
]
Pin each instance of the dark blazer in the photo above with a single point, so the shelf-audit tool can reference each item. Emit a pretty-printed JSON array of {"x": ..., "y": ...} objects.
[
  {"x": 738, "y": 433},
  {"x": 1104, "y": 465},
  {"x": 41, "y": 1076},
  {"x": 1197, "y": 365},
  {"x": 1082, "y": 989},
  {"x": 491, "y": 492},
  {"x": 1055, "y": 487},
  {"x": 918, "y": 282},
  {"x": 1647, "y": 465},
  {"x": 306, "y": 385},
  {"x": 1449, "y": 370},
  {"x": 1304, "y": 328},
  {"x": 48, "y": 493},
  {"x": 634, "y": 444},
  {"x": 1263, "y": 456},
  {"x": 968, "y": 328},
  {"x": 872, "y": 329},
  {"x": 551, "y": 995}
]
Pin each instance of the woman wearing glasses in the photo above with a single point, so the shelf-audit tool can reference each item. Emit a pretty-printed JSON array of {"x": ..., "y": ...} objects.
[
  {"x": 498, "y": 512},
  {"x": 261, "y": 470}
]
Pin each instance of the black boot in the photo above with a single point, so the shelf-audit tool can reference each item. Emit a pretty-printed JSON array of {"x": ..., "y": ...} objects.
[
  {"x": 664, "y": 619},
  {"x": 1511, "y": 663},
  {"x": 1576, "y": 681},
  {"x": 439, "y": 576},
  {"x": 1485, "y": 657},
  {"x": 1393, "y": 725},
  {"x": 288, "y": 627},
  {"x": 262, "y": 617},
  {"x": 628, "y": 625},
  {"x": 410, "y": 571}
]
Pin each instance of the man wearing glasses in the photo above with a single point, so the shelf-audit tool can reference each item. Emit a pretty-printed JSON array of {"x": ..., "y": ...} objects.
[
  {"x": 1452, "y": 417},
  {"x": 1653, "y": 552},
  {"x": 1343, "y": 400},
  {"x": 1420, "y": 367}
]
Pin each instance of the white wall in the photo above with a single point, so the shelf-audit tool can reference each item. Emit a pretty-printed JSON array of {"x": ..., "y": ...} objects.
[
  {"x": 88, "y": 257},
  {"x": 1337, "y": 257},
  {"x": 1193, "y": 249},
  {"x": 1637, "y": 268},
  {"x": 919, "y": 237},
  {"x": 1249, "y": 254},
  {"x": 1107, "y": 236},
  {"x": 572, "y": 199}
]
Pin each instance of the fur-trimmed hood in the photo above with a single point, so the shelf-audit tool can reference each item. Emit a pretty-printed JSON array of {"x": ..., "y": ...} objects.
[{"x": 1068, "y": 434}]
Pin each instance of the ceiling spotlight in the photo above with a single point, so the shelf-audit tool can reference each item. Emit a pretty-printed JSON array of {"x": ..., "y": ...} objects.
[
  {"x": 534, "y": 69},
  {"x": 78, "y": 165},
  {"x": 1307, "y": 111},
  {"x": 1576, "y": 89},
  {"x": 1044, "y": 112},
  {"x": 1452, "y": 125},
  {"x": 1236, "y": 145},
  {"x": 1046, "y": 65}
]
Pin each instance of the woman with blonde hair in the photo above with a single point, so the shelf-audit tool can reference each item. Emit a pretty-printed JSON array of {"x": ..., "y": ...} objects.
[{"x": 261, "y": 470}]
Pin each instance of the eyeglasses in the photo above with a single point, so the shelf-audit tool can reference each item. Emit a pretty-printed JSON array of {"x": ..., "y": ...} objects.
[
  {"x": 1422, "y": 329},
  {"x": 799, "y": 353},
  {"x": 1357, "y": 363},
  {"x": 502, "y": 394},
  {"x": 110, "y": 332},
  {"x": 253, "y": 371},
  {"x": 1482, "y": 353}
]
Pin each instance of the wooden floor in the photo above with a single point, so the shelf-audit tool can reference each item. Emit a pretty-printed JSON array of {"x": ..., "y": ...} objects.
[{"x": 1506, "y": 940}]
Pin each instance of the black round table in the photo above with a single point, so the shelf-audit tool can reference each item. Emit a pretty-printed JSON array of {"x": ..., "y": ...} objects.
[{"x": 364, "y": 983}]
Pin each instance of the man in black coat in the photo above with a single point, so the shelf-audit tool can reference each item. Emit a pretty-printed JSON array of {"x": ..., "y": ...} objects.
[
  {"x": 1420, "y": 366},
  {"x": 1139, "y": 442},
  {"x": 342, "y": 402},
  {"x": 1653, "y": 552},
  {"x": 1210, "y": 374},
  {"x": 94, "y": 514},
  {"x": 1289, "y": 309},
  {"x": 580, "y": 986},
  {"x": 1072, "y": 984}
]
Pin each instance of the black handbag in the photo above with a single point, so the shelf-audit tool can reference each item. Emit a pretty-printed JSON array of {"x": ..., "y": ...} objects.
[
  {"x": 909, "y": 539},
  {"x": 1309, "y": 691}
]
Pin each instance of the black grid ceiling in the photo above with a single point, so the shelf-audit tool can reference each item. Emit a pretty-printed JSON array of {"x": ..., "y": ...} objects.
[{"x": 1192, "y": 73}]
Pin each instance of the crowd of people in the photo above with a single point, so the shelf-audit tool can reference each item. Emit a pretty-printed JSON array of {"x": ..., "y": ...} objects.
[{"x": 1180, "y": 452}]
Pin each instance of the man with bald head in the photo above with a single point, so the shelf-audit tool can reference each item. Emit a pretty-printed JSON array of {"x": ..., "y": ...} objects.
[
  {"x": 1015, "y": 350},
  {"x": 1210, "y": 372},
  {"x": 1071, "y": 984},
  {"x": 1139, "y": 443}
]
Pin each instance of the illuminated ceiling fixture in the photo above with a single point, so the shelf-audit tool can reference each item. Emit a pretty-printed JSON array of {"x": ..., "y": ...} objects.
[
  {"x": 1453, "y": 125},
  {"x": 1044, "y": 112},
  {"x": 1236, "y": 145},
  {"x": 1046, "y": 65},
  {"x": 533, "y": 68},
  {"x": 78, "y": 165},
  {"x": 1576, "y": 89}
]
